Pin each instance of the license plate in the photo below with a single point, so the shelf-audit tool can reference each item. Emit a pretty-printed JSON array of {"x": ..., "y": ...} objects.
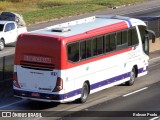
[{"x": 35, "y": 94}]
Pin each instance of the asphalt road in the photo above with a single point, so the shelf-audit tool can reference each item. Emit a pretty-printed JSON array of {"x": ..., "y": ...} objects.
[{"x": 126, "y": 107}]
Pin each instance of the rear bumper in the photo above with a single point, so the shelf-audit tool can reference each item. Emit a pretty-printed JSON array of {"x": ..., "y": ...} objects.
[{"x": 39, "y": 96}]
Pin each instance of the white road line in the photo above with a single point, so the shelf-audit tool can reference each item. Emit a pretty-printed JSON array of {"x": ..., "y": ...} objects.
[
  {"x": 155, "y": 118},
  {"x": 11, "y": 104},
  {"x": 135, "y": 92}
]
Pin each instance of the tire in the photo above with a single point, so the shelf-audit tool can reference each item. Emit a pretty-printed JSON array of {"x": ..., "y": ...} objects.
[
  {"x": 1, "y": 45},
  {"x": 84, "y": 93},
  {"x": 132, "y": 78}
]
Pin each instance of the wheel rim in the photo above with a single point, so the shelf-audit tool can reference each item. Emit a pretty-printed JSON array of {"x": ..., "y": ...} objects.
[
  {"x": 132, "y": 76},
  {"x": 85, "y": 92}
]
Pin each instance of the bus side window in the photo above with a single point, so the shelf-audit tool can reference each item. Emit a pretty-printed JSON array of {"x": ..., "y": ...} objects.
[
  {"x": 134, "y": 37},
  {"x": 112, "y": 42},
  {"x": 107, "y": 43},
  {"x": 73, "y": 52},
  {"x": 100, "y": 45},
  {"x": 130, "y": 37},
  {"x": 124, "y": 37},
  {"x": 88, "y": 48},
  {"x": 83, "y": 49},
  {"x": 119, "y": 38},
  {"x": 94, "y": 46},
  {"x": 142, "y": 30}
]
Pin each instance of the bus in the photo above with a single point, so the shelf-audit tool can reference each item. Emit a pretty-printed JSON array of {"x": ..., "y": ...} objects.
[{"x": 69, "y": 61}]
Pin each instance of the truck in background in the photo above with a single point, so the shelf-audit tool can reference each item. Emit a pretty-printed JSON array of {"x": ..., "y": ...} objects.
[{"x": 11, "y": 26}]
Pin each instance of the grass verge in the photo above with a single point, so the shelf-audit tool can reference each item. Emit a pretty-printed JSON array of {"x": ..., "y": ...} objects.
[{"x": 44, "y": 10}]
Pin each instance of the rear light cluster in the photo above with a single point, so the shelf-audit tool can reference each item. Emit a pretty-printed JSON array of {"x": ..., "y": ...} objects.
[
  {"x": 59, "y": 85},
  {"x": 15, "y": 80}
]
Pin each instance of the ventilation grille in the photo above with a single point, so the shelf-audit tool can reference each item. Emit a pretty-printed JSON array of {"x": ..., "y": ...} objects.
[{"x": 36, "y": 65}]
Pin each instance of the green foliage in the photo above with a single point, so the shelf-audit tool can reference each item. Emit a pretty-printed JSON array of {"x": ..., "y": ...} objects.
[{"x": 43, "y": 10}]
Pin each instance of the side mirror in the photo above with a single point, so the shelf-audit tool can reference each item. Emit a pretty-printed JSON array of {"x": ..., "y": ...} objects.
[{"x": 153, "y": 35}]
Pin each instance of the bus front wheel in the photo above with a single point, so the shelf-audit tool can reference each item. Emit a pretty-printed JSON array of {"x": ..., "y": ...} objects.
[
  {"x": 84, "y": 93},
  {"x": 132, "y": 77}
]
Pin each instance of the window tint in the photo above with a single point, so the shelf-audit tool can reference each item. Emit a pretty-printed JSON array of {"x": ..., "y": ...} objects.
[
  {"x": 12, "y": 26},
  {"x": 112, "y": 42},
  {"x": 73, "y": 52},
  {"x": 94, "y": 46},
  {"x": 142, "y": 30},
  {"x": 124, "y": 37},
  {"x": 83, "y": 49},
  {"x": 107, "y": 43},
  {"x": 132, "y": 37},
  {"x": 144, "y": 38},
  {"x": 119, "y": 38},
  {"x": 88, "y": 48},
  {"x": 100, "y": 45},
  {"x": 9, "y": 26}
]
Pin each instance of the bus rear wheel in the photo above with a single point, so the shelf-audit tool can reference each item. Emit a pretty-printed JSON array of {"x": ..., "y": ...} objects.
[
  {"x": 132, "y": 78},
  {"x": 84, "y": 93}
]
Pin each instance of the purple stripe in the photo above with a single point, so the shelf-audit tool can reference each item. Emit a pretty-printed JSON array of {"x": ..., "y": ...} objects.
[{"x": 141, "y": 70}]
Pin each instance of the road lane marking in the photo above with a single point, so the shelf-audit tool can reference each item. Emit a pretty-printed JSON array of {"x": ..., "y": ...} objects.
[
  {"x": 11, "y": 104},
  {"x": 155, "y": 118},
  {"x": 135, "y": 92}
]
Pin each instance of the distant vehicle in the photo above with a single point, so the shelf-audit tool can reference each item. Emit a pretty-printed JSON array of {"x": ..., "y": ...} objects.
[
  {"x": 71, "y": 60},
  {"x": 11, "y": 26}
]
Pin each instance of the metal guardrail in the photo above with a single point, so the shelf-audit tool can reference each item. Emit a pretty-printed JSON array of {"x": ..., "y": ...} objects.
[
  {"x": 153, "y": 23},
  {"x": 6, "y": 62},
  {"x": 6, "y": 67}
]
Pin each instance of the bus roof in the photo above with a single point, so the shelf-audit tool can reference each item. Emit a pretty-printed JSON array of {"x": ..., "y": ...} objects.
[{"x": 88, "y": 25}]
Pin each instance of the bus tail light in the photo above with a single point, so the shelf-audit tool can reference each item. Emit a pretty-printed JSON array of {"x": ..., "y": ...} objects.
[
  {"x": 15, "y": 80},
  {"x": 59, "y": 85}
]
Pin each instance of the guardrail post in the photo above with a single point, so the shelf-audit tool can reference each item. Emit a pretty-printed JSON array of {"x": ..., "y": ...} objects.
[
  {"x": 158, "y": 28},
  {"x": 3, "y": 68}
]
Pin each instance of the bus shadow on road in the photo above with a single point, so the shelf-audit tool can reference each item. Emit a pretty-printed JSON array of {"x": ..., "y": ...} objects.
[{"x": 37, "y": 105}]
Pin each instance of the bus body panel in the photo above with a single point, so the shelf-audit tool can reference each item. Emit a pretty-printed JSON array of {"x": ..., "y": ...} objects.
[{"x": 36, "y": 80}]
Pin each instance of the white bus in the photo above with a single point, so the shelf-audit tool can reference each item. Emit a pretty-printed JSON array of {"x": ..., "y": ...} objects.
[{"x": 69, "y": 61}]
